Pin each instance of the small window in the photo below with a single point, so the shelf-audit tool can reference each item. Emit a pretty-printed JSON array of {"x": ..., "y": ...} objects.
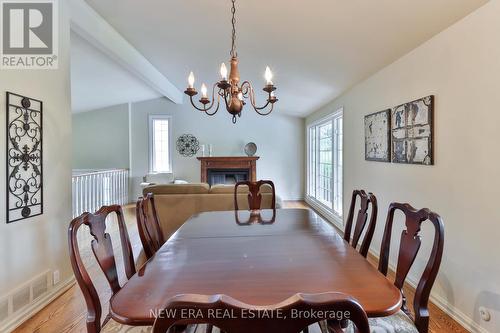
[{"x": 160, "y": 154}]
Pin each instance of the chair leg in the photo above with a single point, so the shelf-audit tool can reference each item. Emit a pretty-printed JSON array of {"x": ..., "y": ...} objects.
[
  {"x": 334, "y": 326},
  {"x": 178, "y": 329}
]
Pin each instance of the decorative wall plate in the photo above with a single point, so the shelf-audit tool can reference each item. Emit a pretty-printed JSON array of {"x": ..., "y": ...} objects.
[
  {"x": 250, "y": 149},
  {"x": 187, "y": 145}
]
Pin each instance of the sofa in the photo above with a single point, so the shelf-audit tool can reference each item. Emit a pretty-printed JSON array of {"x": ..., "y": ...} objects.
[{"x": 176, "y": 203}]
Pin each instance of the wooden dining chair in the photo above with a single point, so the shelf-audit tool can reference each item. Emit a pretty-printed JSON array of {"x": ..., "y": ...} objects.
[
  {"x": 148, "y": 225},
  {"x": 289, "y": 316},
  {"x": 254, "y": 195},
  {"x": 367, "y": 201},
  {"x": 409, "y": 246},
  {"x": 104, "y": 254}
]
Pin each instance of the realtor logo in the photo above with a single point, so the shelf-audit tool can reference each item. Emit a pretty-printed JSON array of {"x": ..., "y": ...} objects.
[{"x": 29, "y": 34}]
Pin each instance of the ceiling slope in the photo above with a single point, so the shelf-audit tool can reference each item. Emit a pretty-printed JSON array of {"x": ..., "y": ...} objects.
[{"x": 317, "y": 49}]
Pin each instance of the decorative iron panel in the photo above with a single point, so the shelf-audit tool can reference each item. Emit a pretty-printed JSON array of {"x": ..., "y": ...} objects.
[
  {"x": 187, "y": 145},
  {"x": 24, "y": 157}
]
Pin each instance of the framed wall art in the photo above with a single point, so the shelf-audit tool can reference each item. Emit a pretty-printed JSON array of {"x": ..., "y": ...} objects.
[
  {"x": 24, "y": 157},
  {"x": 187, "y": 145},
  {"x": 412, "y": 132},
  {"x": 377, "y": 136}
]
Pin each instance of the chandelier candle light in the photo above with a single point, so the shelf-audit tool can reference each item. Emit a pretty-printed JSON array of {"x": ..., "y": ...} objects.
[{"x": 229, "y": 88}]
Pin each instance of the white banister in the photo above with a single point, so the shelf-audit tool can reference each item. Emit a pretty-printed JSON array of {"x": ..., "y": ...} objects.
[{"x": 95, "y": 188}]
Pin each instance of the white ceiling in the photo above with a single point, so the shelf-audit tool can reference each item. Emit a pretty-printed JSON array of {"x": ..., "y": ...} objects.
[
  {"x": 97, "y": 81},
  {"x": 317, "y": 49}
]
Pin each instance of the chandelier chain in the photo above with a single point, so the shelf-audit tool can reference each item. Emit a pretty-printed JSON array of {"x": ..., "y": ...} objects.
[{"x": 233, "y": 23}]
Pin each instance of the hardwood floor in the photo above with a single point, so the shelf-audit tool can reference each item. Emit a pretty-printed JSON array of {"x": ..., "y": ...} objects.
[{"x": 67, "y": 313}]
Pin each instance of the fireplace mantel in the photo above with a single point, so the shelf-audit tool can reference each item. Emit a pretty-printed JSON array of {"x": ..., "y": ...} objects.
[{"x": 228, "y": 162}]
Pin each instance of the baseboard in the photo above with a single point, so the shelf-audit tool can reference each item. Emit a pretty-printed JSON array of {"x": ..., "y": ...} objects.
[
  {"x": 335, "y": 220},
  {"x": 293, "y": 199},
  {"x": 26, "y": 313},
  {"x": 456, "y": 314}
]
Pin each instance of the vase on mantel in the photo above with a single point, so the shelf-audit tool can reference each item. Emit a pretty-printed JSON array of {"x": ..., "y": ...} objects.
[{"x": 210, "y": 150}]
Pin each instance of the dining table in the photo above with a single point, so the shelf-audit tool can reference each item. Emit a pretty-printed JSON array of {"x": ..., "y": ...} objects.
[{"x": 257, "y": 257}]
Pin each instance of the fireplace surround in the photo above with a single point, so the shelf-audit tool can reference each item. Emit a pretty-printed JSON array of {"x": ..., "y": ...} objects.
[{"x": 228, "y": 169}]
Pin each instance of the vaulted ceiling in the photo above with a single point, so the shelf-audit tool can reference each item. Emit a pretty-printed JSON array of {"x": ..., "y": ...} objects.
[
  {"x": 317, "y": 48},
  {"x": 98, "y": 82}
]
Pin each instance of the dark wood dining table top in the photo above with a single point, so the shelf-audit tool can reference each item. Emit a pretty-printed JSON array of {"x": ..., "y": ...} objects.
[{"x": 256, "y": 261}]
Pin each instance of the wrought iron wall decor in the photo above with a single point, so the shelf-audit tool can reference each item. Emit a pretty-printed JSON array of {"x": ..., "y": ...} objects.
[
  {"x": 24, "y": 157},
  {"x": 187, "y": 145}
]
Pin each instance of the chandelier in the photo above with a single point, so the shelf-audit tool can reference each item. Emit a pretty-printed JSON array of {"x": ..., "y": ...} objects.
[{"x": 229, "y": 88}]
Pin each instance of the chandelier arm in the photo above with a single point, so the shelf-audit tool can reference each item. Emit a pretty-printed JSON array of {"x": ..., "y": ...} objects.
[
  {"x": 215, "y": 111},
  {"x": 245, "y": 89},
  {"x": 213, "y": 100},
  {"x": 251, "y": 95},
  {"x": 197, "y": 108},
  {"x": 265, "y": 113},
  {"x": 205, "y": 108}
]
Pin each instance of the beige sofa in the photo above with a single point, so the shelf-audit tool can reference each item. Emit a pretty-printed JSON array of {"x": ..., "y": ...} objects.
[{"x": 175, "y": 203}]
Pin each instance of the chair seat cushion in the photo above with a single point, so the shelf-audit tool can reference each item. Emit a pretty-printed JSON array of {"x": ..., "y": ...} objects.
[
  {"x": 397, "y": 323},
  {"x": 114, "y": 327},
  {"x": 202, "y": 328}
]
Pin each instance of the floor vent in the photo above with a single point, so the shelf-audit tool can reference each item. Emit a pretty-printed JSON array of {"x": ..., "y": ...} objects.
[
  {"x": 40, "y": 286},
  {"x": 25, "y": 295},
  {"x": 4, "y": 309},
  {"x": 21, "y": 298}
]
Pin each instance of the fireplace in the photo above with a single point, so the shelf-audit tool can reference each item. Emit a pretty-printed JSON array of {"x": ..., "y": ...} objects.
[
  {"x": 227, "y": 176},
  {"x": 228, "y": 170}
]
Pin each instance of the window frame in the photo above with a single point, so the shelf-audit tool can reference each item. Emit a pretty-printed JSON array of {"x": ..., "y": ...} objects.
[
  {"x": 151, "y": 119},
  {"x": 337, "y": 173}
]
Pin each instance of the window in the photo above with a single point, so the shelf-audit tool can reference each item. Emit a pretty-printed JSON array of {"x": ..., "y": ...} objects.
[
  {"x": 160, "y": 159},
  {"x": 324, "y": 165}
]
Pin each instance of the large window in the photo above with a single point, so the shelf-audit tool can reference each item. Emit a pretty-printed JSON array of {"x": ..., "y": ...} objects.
[
  {"x": 160, "y": 159},
  {"x": 324, "y": 168}
]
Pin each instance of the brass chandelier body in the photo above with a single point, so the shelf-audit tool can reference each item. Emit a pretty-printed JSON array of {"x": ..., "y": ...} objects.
[{"x": 229, "y": 88}]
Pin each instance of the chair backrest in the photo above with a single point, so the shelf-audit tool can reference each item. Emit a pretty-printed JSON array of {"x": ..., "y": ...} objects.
[
  {"x": 408, "y": 249},
  {"x": 149, "y": 225},
  {"x": 104, "y": 254},
  {"x": 290, "y": 316},
  {"x": 366, "y": 201},
  {"x": 254, "y": 196}
]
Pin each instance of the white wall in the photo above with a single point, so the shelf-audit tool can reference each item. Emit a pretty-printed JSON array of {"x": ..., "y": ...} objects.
[
  {"x": 279, "y": 139},
  {"x": 100, "y": 138},
  {"x": 461, "y": 67},
  {"x": 32, "y": 246}
]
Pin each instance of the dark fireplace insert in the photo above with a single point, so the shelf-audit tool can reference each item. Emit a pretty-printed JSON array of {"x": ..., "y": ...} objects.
[{"x": 227, "y": 176}]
